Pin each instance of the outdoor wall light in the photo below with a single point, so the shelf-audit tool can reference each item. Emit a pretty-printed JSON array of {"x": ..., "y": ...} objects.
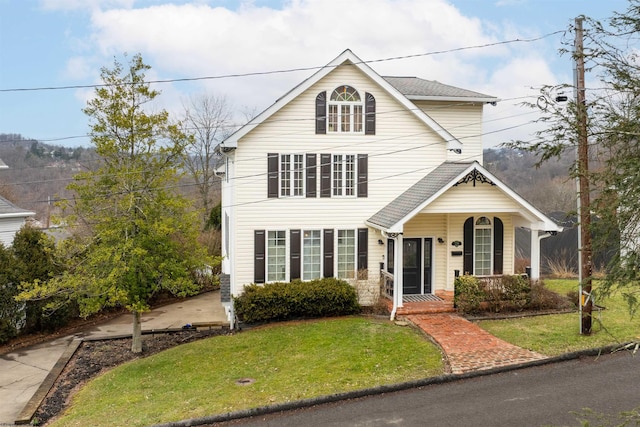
[
  {"x": 380, "y": 242},
  {"x": 440, "y": 240}
]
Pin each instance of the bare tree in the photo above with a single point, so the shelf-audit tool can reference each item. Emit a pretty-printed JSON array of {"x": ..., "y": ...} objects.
[{"x": 207, "y": 119}]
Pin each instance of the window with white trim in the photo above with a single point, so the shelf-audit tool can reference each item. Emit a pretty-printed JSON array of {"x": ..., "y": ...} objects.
[
  {"x": 483, "y": 247},
  {"x": 291, "y": 175},
  {"x": 345, "y": 111},
  {"x": 346, "y": 254},
  {"x": 276, "y": 256},
  {"x": 344, "y": 174},
  {"x": 311, "y": 255}
]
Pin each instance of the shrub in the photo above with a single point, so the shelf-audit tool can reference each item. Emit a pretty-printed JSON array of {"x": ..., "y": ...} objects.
[
  {"x": 8, "y": 331},
  {"x": 507, "y": 293},
  {"x": 283, "y": 301},
  {"x": 468, "y": 294}
]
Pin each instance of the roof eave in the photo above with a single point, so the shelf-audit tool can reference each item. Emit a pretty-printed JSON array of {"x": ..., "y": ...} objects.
[
  {"x": 24, "y": 214},
  {"x": 473, "y": 100}
]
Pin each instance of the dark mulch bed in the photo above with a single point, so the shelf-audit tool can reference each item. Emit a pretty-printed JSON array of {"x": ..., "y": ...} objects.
[{"x": 95, "y": 357}]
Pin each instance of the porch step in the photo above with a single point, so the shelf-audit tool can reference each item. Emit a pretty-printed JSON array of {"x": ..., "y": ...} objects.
[{"x": 424, "y": 307}]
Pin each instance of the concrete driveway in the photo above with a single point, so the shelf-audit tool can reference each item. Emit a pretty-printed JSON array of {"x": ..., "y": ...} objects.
[{"x": 22, "y": 371}]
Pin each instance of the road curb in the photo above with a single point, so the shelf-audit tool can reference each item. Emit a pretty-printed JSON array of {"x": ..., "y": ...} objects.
[{"x": 441, "y": 379}]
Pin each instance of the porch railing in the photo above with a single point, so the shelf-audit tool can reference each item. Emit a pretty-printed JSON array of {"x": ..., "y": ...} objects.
[{"x": 386, "y": 284}]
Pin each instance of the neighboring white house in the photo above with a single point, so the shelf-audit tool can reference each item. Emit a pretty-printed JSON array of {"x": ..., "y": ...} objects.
[
  {"x": 350, "y": 172},
  {"x": 12, "y": 218}
]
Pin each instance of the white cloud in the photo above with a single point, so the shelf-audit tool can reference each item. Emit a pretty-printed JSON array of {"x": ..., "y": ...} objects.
[{"x": 196, "y": 39}]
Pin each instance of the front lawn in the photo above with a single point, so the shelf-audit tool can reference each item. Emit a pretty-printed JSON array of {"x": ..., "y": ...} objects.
[
  {"x": 288, "y": 361},
  {"x": 560, "y": 333}
]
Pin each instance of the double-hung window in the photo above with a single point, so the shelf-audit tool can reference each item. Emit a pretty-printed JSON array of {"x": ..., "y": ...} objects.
[
  {"x": 344, "y": 174},
  {"x": 276, "y": 256},
  {"x": 346, "y": 254},
  {"x": 291, "y": 175},
  {"x": 345, "y": 110},
  {"x": 311, "y": 255}
]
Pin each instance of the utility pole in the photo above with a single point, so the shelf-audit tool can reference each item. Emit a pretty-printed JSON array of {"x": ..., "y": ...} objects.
[{"x": 584, "y": 208}]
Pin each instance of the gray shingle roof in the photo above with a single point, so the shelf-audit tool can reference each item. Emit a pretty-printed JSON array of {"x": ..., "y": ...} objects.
[
  {"x": 414, "y": 87},
  {"x": 417, "y": 194},
  {"x": 7, "y": 208}
]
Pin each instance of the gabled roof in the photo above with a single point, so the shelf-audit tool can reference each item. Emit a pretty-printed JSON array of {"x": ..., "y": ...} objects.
[
  {"x": 346, "y": 57},
  {"x": 9, "y": 210},
  {"x": 392, "y": 217},
  {"x": 417, "y": 89}
]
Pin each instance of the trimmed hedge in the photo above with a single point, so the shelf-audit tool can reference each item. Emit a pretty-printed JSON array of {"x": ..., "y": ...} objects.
[{"x": 295, "y": 300}]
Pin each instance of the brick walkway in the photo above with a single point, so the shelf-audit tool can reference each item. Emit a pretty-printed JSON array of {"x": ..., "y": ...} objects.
[{"x": 467, "y": 346}]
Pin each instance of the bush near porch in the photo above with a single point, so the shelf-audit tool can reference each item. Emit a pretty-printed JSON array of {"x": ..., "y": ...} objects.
[
  {"x": 499, "y": 294},
  {"x": 296, "y": 300}
]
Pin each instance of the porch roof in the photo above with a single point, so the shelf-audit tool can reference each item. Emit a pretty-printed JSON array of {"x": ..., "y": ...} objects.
[
  {"x": 392, "y": 217},
  {"x": 421, "y": 191}
]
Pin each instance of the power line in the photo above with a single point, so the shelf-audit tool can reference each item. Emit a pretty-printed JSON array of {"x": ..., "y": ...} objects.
[{"x": 291, "y": 70}]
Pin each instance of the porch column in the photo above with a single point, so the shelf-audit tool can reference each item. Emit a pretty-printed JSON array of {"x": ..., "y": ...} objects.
[
  {"x": 535, "y": 255},
  {"x": 398, "y": 270}
]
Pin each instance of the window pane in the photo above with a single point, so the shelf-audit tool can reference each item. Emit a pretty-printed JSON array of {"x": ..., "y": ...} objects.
[
  {"x": 276, "y": 256},
  {"x": 337, "y": 175},
  {"x": 345, "y": 118},
  {"x": 298, "y": 175},
  {"x": 333, "y": 118},
  {"x": 483, "y": 251},
  {"x": 346, "y": 254},
  {"x": 349, "y": 175},
  {"x": 357, "y": 118},
  {"x": 285, "y": 167},
  {"x": 311, "y": 256}
]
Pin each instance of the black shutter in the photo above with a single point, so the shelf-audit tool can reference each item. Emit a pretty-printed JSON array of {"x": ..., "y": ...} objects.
[
  {"x": 294, "y": 255},
  {"x": 468, "y": 246},
  {"x": 272, "y": 174},
  {"x": 259, "y": 239},
  {"x": 363, "y": 250},
  {"x": 328, "y": 253},
  {"x": 363, "y": 175},
  {"x": 321, "y": 113},
  {"x": 325, "y": 175},
  {"x": 498, "y": 245},
  {"x": 370, "y": 115},
  {"x": 312, "y": 172}
]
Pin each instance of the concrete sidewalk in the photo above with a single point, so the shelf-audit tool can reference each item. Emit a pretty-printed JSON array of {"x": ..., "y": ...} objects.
[{"x": 22, "y": 371}]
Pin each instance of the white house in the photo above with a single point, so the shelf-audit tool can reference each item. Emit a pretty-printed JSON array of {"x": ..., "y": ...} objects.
[
  {"x": 350, "y": 172},
  {"x": 12, "y": 218}
]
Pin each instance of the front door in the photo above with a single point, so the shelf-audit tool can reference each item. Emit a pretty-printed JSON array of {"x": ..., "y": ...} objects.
[{"x": 411, "y": 265}]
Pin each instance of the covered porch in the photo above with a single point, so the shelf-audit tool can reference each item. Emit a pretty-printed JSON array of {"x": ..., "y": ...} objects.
[{"x": 457, "y": 220}]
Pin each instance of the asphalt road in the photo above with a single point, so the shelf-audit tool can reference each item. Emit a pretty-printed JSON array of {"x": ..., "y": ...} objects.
[{"x": 539, "y": 396}]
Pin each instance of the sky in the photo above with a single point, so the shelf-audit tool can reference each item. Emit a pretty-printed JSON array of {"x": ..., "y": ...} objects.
[{"x": 64, "y": 43}]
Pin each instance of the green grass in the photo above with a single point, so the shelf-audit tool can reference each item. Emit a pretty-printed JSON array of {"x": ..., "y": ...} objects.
[
  {"x": 560, "y": 333},
  {"x": 289, "y": 361}
]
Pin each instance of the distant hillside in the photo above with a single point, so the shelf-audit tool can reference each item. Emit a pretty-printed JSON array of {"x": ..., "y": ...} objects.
[
  {"x": 549, "y": 187},
  {"x": 37, "y": 173}
]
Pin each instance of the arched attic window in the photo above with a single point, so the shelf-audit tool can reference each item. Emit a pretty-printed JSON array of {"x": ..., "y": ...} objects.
[{"x": 345, "y": 112}]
